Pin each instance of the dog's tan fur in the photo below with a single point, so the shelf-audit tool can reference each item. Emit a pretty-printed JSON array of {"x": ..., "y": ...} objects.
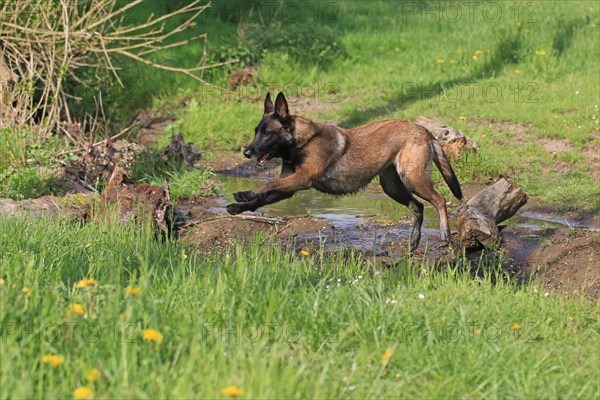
[{"x": 343, "y": 161}]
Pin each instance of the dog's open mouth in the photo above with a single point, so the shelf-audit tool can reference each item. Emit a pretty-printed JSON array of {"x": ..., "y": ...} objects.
[{"x": 263, "y": 158}]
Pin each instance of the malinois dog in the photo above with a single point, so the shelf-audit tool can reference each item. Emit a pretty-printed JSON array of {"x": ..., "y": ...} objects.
[{"x": 342, "y": 161}]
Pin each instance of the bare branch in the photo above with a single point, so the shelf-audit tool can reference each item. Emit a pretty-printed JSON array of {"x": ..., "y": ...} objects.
[{"x": 42, "y": 44}]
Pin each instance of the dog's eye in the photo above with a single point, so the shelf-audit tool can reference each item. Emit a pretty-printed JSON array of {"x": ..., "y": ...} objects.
[{"x": 268, "y": 133}]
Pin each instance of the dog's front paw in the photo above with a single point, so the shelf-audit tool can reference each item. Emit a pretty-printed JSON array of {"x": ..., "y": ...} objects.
[
  {"x": 234, "y": 209},
  {"x": 244, "y": 197}
]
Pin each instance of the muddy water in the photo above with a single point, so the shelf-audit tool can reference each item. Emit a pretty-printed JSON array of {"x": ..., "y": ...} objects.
[
  {"x": 372, "y": 205},
  {"x": 369, "y": 205},
  {"x": 369, "y": 220}
]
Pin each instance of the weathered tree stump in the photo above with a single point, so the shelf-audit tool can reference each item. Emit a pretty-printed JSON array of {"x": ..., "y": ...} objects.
[
  {"x": 136, "y": 201},
  {"x": 454, "y": 142},
  {"x": 478, "y": 217}
]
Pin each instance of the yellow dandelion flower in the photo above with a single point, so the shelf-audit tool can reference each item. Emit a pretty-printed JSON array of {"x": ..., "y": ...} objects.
[
  {"x": 93, "y": 374},
  {"x": 452, "y": 61},
  {"x": 152, "y": 335},
  {"x": 462, "y": 118},
  {"x": 75, "y": 308},
  {"x": 305, "y": 253},
  {"x": 334, "y": 44},
  {"x": 83, "y": 393},
  {"x": 474, "y": 57},
  {"x": 590, "y": 9},
  {"x": 133, "y": 291},
  {"x": 386, "y": 356},
  {"x": 540, "y": 52},
  {"x": 53, "y": 359},
  {"x": 515, "y": 326},
  {"x": 27, "y": 291},
  {"x": 518, "y": 71},
  {"x": 478, "y": 51},
  {"x": 477, "y": 331},
  {"x": 1, "y": 281},
  {"x": 233, "y": 391},
  {"x": 85, "y": 283},
  {"x": 397, "y": 49},
  {"x": 440, "y": 61}
]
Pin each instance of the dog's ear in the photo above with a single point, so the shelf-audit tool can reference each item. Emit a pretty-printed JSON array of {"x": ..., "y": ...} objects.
[
  {"x": 281, "y": 107},
  {"x": 268, "y": 104}
]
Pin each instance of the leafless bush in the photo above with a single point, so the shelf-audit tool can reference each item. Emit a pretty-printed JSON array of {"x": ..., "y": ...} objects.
[{"x": 45, "y": 43}]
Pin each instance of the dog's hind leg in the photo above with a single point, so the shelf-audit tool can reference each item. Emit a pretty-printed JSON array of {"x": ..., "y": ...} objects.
[
  {"x": 418, "y": 181},
  {"x": 393, "y": 187}
]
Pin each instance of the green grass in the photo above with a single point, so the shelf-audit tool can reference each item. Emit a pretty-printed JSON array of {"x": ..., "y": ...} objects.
[
  {"x": 274, "y": 324},
  {"x": 29, "y": 182},
  {"x": 185, "y": 182}
]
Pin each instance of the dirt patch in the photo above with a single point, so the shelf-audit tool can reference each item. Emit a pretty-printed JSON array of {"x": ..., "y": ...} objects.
[
  {"x": 524, "y": 136},
  {"x": 222, "y": 232},
  {"x": 313, "y": 106},
  {"x": 242, "y": 77},
  {"x": 556, "y": 145},
  {"x": 566, "y": 261},
  {"x": 520, "y": 130},
  {"x": 592, "y": 152}
]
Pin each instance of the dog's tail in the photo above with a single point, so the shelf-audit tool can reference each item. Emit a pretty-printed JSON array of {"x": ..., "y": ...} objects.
[{"x": 443, "y": 163}]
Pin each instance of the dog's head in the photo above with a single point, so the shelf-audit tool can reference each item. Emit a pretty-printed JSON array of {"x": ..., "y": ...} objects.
[{"x": 274, "y": 135}]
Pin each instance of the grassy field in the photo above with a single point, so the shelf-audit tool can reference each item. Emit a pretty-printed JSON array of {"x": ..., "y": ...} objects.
[
  {"x": 112, "y": 310},
  {"x": 273, "y": 324}
]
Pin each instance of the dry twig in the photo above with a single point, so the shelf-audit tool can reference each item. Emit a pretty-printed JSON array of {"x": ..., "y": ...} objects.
[{"x": 44, "y": 44}]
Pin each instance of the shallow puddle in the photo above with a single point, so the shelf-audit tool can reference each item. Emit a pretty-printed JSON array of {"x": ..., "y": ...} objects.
[{"x": 371, "y": 205}]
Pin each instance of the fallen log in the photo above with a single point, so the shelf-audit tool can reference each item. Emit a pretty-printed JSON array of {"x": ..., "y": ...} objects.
[
  {"x": 454, "y": 142},
  {"x": 69, "y": 207},
  {"x": 479, "y": 216}
]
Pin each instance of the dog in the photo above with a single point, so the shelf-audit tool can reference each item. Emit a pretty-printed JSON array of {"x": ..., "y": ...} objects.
[{"x": 342, "y": 161}]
